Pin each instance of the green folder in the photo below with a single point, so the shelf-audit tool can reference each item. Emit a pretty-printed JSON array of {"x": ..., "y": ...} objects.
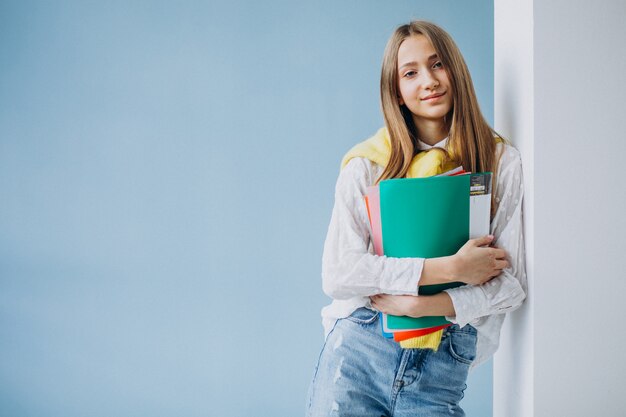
[{"x": 429, "y": 218}]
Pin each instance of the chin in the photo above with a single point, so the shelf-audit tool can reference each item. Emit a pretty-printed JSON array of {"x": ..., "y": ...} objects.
[{"x": 436, "y": 116}]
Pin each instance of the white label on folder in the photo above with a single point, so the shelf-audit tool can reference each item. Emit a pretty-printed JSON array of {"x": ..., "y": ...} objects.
[{"x": 479, "y": 215}]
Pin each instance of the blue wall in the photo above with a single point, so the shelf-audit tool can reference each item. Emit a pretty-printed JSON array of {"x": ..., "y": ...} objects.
[{"x": 166, "y": 180}]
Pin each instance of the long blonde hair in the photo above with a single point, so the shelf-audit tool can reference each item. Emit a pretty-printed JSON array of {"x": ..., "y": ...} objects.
[{"x": 470, "y": 141}]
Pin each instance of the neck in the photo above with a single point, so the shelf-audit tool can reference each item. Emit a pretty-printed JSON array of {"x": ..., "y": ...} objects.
[{"x": 431, "y": 131}]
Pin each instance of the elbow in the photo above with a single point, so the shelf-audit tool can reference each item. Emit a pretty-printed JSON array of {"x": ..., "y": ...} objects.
[
  {"x": 517, "y": 304},
  {"x": 334, "y": 287},
  {"x": 515, "y": 301},
  {"x": 348, "y": 276},
  {"x": 329, "y": 287},
  {"x": 332, "y": 290},
  {"x": 514, "y": 296},
  {"x": 520, "y": 297},
  {"x": 340, "y": 285}
]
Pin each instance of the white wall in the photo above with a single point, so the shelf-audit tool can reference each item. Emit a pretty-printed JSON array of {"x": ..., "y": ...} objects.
[
  {"x": 580, "y": 147},
  {"x": 514, "y": 118},
  {"x": 565, "y": 348}
]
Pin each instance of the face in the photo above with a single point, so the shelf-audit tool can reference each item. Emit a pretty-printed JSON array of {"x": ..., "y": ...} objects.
[{"x": 422, "y": 81}]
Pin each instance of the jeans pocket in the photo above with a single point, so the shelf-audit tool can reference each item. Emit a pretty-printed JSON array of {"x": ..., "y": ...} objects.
[
  {"x": 363, "y": 316},
  {"x": 462, "y": 344}
]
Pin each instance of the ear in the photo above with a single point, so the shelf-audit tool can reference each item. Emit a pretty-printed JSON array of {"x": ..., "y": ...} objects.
[{"x": 400, "y": 101}]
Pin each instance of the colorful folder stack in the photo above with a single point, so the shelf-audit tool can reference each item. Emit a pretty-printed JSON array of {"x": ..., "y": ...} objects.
[{"x": 427, "y": 218}]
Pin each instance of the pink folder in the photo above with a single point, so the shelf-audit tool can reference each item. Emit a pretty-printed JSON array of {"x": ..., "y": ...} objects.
[{"x": 372, "y": 200}]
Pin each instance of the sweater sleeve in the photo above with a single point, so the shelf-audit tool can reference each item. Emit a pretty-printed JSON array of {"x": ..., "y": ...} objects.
[
  {"x": 349, "y": 266},
  {"x": 507, "y": 291}
]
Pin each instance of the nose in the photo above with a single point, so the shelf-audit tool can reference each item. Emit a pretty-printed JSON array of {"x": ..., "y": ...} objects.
[{"x": 430, "y": 81}]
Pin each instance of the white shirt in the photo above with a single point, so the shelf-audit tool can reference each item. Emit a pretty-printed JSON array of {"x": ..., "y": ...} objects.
[
  {"x": 423, "y": 146},
  {"x": 351, "y": 272}
]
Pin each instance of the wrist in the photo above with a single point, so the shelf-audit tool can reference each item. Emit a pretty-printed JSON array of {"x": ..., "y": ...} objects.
[
  {"x": 418, "y": 307},
  {"x": 452, "y": 267},
  {"x": 440, "y": 270},
  {"x": 433, "y": 305}
]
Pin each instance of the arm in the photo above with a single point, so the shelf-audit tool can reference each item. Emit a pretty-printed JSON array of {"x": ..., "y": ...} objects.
[
  {"x": 408, "y": 305},
  {"x": 507, "y": 291},
  {"x": 473, "y": 264},
  {"x": 349, "y": 267}
]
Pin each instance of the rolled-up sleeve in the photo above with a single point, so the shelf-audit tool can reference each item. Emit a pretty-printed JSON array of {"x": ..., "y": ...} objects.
[
  {"x": 349, "y": 266},
  {"x": 507, "y": 291}
]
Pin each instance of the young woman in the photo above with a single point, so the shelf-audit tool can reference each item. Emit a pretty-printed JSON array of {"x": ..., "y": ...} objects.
[{"x": 429, "y": 104}]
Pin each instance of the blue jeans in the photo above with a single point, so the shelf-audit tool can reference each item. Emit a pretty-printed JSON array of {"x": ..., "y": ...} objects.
[{"x": 361, "y": 373}]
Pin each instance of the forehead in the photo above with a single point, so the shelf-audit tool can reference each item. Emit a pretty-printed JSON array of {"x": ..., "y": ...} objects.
[{"x": 415, "y": 48}]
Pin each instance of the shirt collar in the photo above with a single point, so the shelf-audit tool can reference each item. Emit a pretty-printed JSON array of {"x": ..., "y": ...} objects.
[{"x": 422, "y": 146}]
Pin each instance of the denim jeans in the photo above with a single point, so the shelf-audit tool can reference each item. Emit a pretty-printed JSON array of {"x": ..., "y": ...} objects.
[{"x": 361, "y": 373}]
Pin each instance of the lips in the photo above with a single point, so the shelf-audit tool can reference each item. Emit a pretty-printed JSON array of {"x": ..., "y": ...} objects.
[{"x": 433, "y": 96}]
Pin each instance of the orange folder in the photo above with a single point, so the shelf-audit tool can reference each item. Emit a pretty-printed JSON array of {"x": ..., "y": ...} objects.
[{"x": 400, "y": 336}]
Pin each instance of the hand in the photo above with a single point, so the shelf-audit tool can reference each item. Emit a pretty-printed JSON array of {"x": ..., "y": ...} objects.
[
  {"x": 397, "y": 305},
  {"x": 475, "y": 264}
]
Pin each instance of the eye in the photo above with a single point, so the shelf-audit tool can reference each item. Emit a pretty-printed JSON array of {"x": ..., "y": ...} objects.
[
  {"x": 409, "y": 73},
  {"x": 437, "y": 65}
]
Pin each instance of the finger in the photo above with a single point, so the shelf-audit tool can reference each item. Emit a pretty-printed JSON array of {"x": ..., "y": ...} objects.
[
  {"x": 377, "y": 306},
  {"x": 502, "y": 264},
  {"x": 483, "y": 241},
  {"x": 499, "y": 253}
]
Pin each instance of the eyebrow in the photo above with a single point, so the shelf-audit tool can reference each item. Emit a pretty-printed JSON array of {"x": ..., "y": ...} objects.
[{"x": 430, "y": 58}]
